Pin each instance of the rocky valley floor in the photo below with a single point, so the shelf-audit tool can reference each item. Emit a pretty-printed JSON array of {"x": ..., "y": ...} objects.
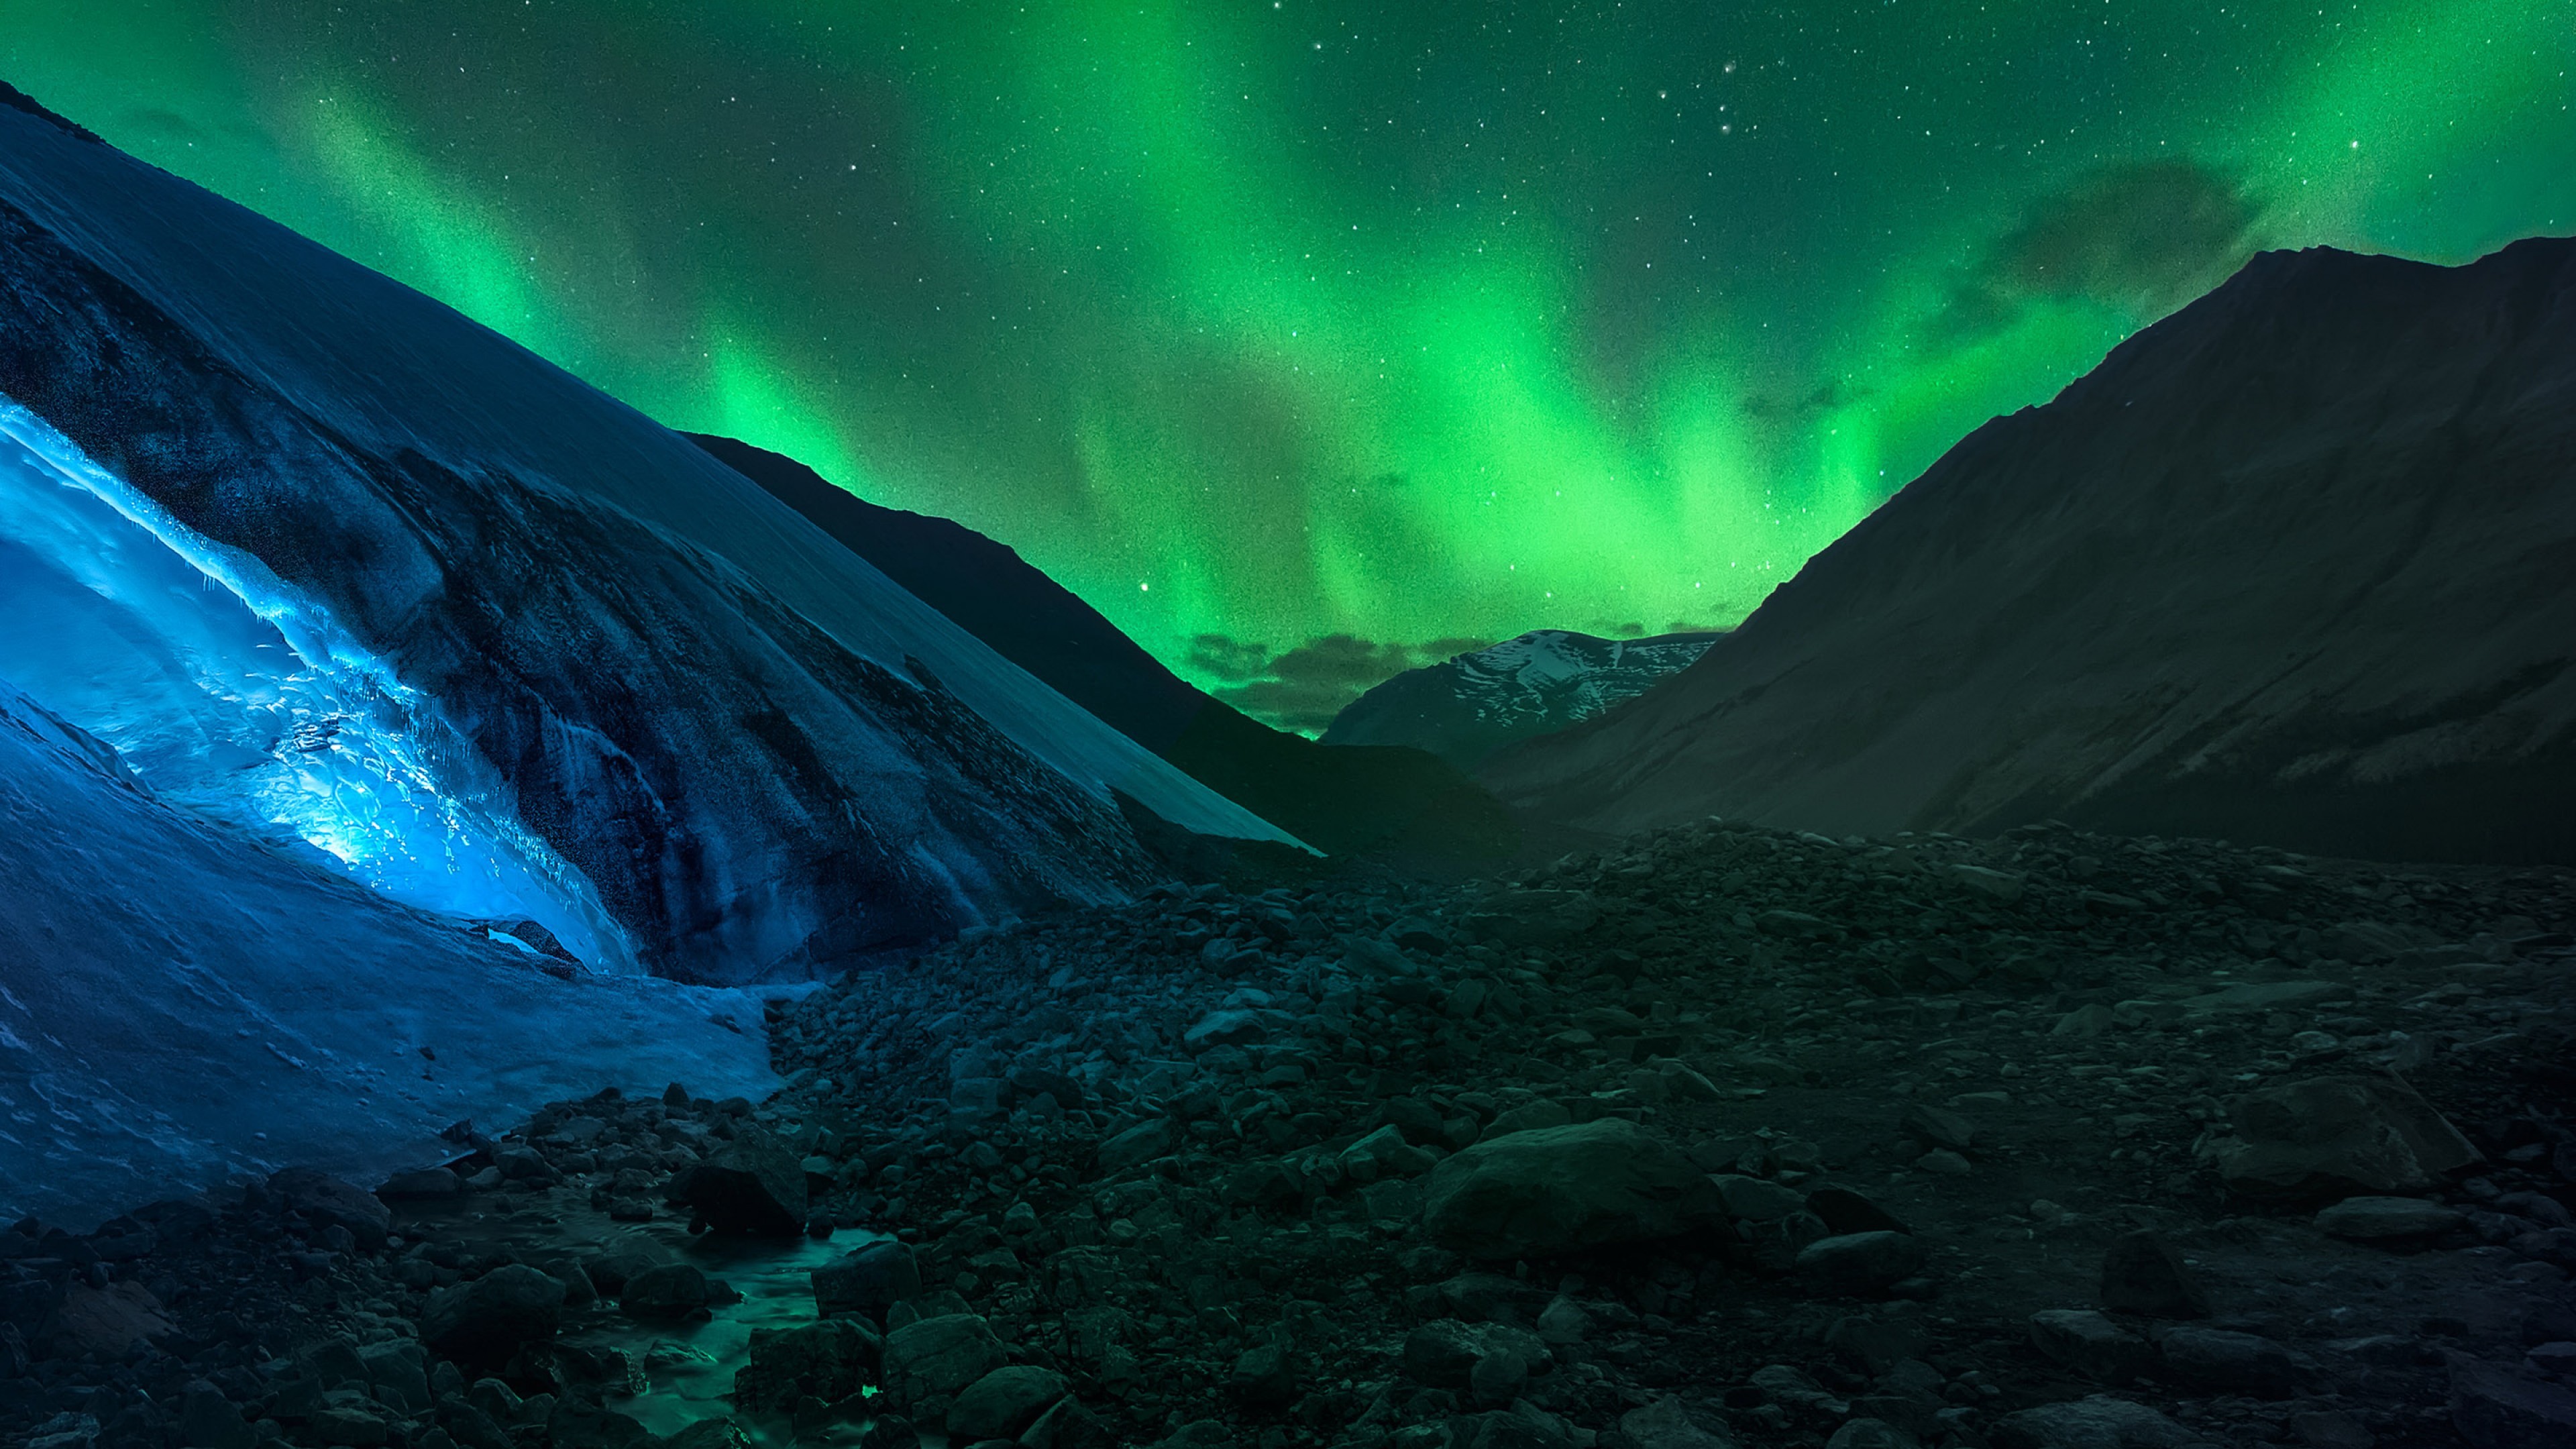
[{"x": 1726, "y": 1136}]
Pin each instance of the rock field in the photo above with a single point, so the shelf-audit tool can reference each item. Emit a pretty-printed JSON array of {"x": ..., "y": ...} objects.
[{"x": 1727, "y": 1136}]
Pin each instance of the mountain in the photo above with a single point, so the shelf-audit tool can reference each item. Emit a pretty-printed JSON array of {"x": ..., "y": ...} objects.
[
  {"x": 1342, "y": 800},
  {"x": 179, "y": 1004},
  {"x": 1465, "y": 708},
  {"x": 498, "y": 644},
  {"x": 2295, "y": 565}
]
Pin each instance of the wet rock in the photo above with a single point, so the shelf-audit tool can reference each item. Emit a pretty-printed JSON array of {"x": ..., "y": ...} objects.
[
  {"x": 869, "y": 1281},
  {"x": 2099, "y": 1422},
  {"x": 936, "y": 1357},
  {"x": 1553, "y": 1190},
  {"x": 1860, "y": 1264},
  {"x": 2337, "y": 1135},
  {"x": 830, "y": 1361},
  {"x": 2088, "y": 1343},
  {"x": 484, "y": 1322},
  {"x": 2496, "y": 1408},
  {"x": 326, "y": 1201},
  {"x": 669, "y": 1292},
  {"x": 2220, "y": 1361},
  {"x": 753, "y": 1186},
  {"x": 1004, "y": 1403},
  {"x": 711, "y": 1434},
  {"x": 2142, "y": 1274},
  {"x": 2382, "y": 1219}
]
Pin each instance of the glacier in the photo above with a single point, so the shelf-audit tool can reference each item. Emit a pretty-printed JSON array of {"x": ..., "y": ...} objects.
[
  {"x": 236, "y": 698},
  {"x": 664, "y": 706}
]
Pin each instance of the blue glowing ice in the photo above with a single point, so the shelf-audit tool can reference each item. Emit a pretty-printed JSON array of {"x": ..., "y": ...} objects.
[{"x": 236, "y": 699}]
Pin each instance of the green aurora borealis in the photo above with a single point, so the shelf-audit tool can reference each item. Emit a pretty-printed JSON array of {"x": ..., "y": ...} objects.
[{"x": 1254, "y": 322}]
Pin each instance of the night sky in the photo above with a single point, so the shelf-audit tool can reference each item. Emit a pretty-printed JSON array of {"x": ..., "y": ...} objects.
[{"x": 1387, "y": 326}]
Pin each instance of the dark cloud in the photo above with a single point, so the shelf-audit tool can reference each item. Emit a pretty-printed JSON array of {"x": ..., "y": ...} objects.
[
  {"x": 1303, "y": 688},
  {"x": 2147, "y": 237},
  {"x": 1229, "y": 659}
]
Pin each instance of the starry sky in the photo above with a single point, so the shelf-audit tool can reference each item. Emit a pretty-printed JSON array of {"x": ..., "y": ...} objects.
[{"x": 1311, "y": 339}]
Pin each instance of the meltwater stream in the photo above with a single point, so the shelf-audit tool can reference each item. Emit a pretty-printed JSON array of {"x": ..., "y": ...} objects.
[
  {"x": 235, "y": 698},
  {"x": 683, "y": 1371}
]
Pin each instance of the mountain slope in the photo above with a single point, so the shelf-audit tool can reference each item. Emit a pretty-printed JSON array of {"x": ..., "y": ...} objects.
[
  {"x": 1341, "y": 800},
  {"x": 1465, "y": 708},
  {"x": 755, "y": 752},
  {"x": 2295, "y": 565}
]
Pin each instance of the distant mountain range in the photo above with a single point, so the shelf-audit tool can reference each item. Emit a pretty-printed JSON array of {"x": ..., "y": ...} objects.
[
  {"x": 1464, "y": 709},
  {"x": 2295, "y": 565}
]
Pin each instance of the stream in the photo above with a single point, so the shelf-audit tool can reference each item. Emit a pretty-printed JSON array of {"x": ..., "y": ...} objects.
[{"x": 685, "y": 1369}]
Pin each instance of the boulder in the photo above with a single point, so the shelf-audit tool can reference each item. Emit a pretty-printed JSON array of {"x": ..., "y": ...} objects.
[
  {"x": 1558, "y": 1189},
  {"x": 830, "y": 1361},
  {"x": 1522, "y": 1426},
  {"x": 1004, "y": 1403},
  {"x": 1860, "y": 1264},
  {"x": 1756, "y": 1199},
  {"x": 484, "y": 1322},
  {"x": 2335, "y": 1136},
  {"x": 870, "y": 1281},
  {"x": 1845, "y": 1211},
  {"x": 2099, "y": 1422},
  {"x": 109, "y": 1321},
  {"x": 578, "y": 1423},
  {"x": 1528, "y": 1117},
  {"x": 326, "y": 1201},
  {"x": 1137, "y": 1145},
  {"x": 427, "y": 1182},
  {"x": 1863, "y": 1432},
  {"x": 2142, "y": 1274},
  {"x": 1443, "y": 1353},
  {"x": 1665, "y": 1424},
  {"x": 2496, "y": 1408},
  {"x": 1234, "y": 1026},
  {"x": 668, "y": 1292},
  {"x": 936, "y": 1357},
  {"x": 754, "y": 1185},
  {"x": 2379, "y": 1219},
  {"x": 2085, "y": 1342}
]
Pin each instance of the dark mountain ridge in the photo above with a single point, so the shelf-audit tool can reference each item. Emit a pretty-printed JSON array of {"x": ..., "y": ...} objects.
[
  {"x": 2296, "y": 565},
  {"x": 1342, "y": 800}
]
